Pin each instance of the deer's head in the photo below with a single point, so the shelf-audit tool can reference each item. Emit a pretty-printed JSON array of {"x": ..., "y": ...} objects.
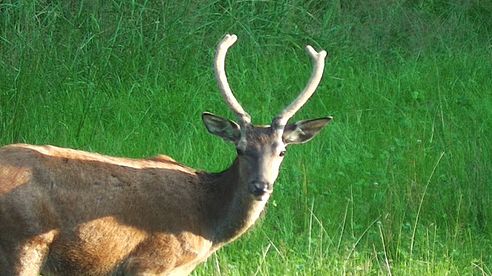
[{"x": 261, "y": 149}]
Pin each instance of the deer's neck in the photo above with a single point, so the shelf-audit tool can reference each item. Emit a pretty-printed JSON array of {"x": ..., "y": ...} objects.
[{"x": 232, "y": 209}]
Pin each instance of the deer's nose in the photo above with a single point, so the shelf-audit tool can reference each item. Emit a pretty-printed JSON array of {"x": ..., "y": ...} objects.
[{"x": 259, "y": 188}]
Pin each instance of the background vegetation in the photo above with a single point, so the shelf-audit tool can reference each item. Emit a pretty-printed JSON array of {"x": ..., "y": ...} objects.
[{"x": 400, "y": 183}]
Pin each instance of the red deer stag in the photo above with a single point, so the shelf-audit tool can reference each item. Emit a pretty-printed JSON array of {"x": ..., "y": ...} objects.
[{"x": 69, "y": 212}]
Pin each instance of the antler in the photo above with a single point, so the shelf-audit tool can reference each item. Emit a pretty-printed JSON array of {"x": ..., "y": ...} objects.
[
  {"x": 221, "y": 77},
  {"x": 319, "y": 63}
]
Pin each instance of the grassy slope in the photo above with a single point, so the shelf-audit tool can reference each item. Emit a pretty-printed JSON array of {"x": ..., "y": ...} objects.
[{"x": 400, "y": 181}]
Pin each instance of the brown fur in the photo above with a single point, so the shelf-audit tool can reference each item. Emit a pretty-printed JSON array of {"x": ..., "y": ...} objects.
[{"x": 69, "y": 212}]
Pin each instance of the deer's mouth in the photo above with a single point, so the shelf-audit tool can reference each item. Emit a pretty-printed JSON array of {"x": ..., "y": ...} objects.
[{"x": 260, "y": 190}]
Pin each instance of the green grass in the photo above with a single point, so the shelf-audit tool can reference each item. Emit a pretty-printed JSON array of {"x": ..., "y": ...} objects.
[{"x": 399, "y": 183}]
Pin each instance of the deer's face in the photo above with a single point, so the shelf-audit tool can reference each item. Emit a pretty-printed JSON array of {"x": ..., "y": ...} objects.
[
  {"x": 261, "y": 149},
  {"x": 260, "y": 154}
]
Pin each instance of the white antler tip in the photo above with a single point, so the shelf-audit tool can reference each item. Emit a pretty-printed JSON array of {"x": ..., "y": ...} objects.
[
  {"x": 314, "y": 54},
  {"x": 231, "y": 36},
  {"x": 228, "y": 40}
]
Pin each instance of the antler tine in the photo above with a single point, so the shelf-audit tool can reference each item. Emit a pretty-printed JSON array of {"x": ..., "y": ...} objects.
[
  {"x": 221, "y": 77},
  {"x": 318, "y": 59}
]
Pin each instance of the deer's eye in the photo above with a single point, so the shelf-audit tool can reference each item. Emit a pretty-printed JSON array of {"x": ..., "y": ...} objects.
[
  {"x": 282, "y": 153},
  {"x": 239, "y": 152}
]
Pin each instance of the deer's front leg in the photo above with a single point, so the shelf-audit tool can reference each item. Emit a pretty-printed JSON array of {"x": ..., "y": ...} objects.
[
  {"x": 28, "y": 258},
  {"x": 167, "y": 254},
  {"x": 154, "y": 256}
]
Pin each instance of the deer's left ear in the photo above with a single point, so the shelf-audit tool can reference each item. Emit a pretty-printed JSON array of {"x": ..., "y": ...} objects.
[
  {"x": 224, "y": 128},
  {"x": 303, "y": 131}
]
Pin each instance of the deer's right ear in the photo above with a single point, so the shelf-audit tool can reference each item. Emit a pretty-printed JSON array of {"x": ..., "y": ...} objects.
[{"x": 224, "y": 128}]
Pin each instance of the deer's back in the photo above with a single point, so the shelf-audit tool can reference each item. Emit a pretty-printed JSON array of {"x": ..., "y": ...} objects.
[{"x": 98, "y": 209}]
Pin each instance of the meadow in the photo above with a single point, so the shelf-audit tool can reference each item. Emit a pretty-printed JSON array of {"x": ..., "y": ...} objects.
[{"x": 399, "y": 183}]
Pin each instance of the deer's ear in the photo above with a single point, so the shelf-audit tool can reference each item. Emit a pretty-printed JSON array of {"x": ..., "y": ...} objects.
[
  {"x": 224, "y": 128},
  {"x": 303, "y": 131}
]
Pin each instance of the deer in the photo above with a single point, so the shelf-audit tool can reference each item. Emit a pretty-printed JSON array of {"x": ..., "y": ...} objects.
[{"x": 71, "y": 212}]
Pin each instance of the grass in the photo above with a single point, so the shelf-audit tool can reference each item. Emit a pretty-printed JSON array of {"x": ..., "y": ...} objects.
[{"x": 398, "y": 184}]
